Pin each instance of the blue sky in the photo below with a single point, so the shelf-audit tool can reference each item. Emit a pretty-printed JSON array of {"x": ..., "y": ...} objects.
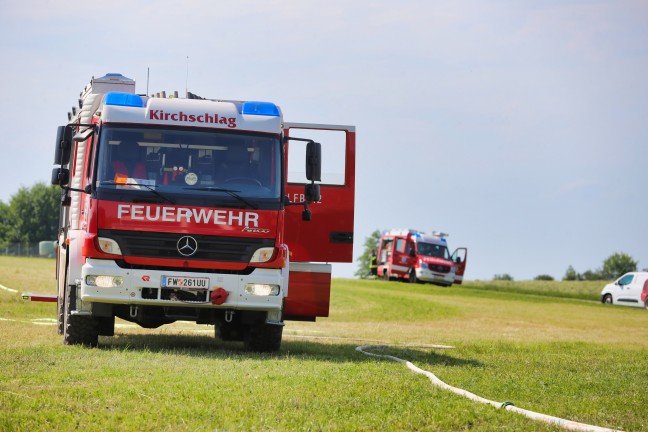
[{"x": 520, "y": 128}]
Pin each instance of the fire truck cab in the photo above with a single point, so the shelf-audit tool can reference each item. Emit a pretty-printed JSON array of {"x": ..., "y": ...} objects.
[
  {"x": 417, "y": 257},
  {"x": 204, "y": 210}
]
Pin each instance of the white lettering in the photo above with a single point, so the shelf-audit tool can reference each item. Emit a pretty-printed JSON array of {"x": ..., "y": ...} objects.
[
  {"x": 251, "y": 219},
  {"x": 219, "y": 217},
  {"x": 232, "y": 218},
  {"x": 148, "y": 213},
  {"x": 202, "y": 216},
  {"x": 184, "y": 213},
  {"x": 137, "y": 212},
  {"x": 168, "y": 214},
  {"x": 122, "y": 209}
]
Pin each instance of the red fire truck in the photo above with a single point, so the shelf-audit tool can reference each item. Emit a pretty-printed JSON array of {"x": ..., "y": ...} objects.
[
  {"x": 199, "y": 210},
  {"x": 417, "y": 257}
]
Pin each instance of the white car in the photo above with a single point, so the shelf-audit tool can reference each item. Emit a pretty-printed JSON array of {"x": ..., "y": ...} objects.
[{"x": 631, "y": 289}]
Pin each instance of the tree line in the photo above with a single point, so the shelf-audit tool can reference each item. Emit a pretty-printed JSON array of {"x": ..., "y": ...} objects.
[
  {"x": 613, "y": 266},
  {"x": 30, "y": 216}
]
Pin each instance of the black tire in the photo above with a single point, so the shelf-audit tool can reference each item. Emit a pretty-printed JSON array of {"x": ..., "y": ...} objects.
[
  {"x": 78, "y": 329},
  {"x": 263, "y": 338},
  {"x": 386, "y": 275},
  {"x": 412, "y": 277},
  {"x": 105, "y": 326},
  {"x": 60, "y": 307},
  {"x": 646, "y": 304},
  {"x": 607, "y": 299}
]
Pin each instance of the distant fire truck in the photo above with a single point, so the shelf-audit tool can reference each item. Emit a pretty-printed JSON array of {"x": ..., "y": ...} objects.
[
  {"x": 415, "y": 256},
  {"x": 184, "y": 209}
]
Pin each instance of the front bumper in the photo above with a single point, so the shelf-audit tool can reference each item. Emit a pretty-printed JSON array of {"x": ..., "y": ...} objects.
[
  {"x": 143, "y": 287},
  {"x": 427, "y": 275}
]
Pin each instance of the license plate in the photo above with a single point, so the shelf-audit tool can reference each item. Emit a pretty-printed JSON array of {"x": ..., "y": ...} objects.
[{"x": 185, "y": 282}]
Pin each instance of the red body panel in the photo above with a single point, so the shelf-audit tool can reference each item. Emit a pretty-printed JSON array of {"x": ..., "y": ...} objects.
[
  {"x": 308, "y": 295},
  {"x": 187, "y": 219},
  {"x": 40, "y": 298},
  {"x": 328, "y": 237},
  {"x": 462, "y": 253}
]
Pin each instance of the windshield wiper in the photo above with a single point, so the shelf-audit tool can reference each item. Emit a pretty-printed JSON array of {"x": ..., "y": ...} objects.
[
  {"x": 230, "y": 192},
  {"x": 164, "y": 198}
]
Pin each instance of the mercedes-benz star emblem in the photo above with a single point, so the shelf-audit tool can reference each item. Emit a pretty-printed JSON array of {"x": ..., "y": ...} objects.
[{"x": 187, "y": 246}]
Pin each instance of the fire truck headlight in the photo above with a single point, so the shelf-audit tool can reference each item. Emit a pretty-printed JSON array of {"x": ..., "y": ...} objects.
[
  {"x": 262, "y": 255},
  {"x": 423, "y": 265},
  {"x": 103, "y": 281},
  {"x": 262, "y": 289},
  {"x": 109, "y": 246}
]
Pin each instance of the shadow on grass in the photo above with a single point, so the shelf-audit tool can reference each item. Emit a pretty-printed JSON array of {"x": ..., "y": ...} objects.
[{"x": 317, "y": 350}]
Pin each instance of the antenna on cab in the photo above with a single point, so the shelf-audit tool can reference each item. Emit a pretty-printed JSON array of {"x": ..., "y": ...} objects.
[{"x": 187, "y": 80}]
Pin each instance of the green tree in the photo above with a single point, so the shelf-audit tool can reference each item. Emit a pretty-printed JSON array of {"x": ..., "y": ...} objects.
[
  {"x": 503, "y": 277},
  {"x": 33, "y": 213},
  {"x": 544, "y": 277},
  {"x": 571, "y": 274},
  {"x": 7, "y": 231},
  {"x": 592, "y": 275},
  {"x": 617, "y": 264},
  {"x": 370, "y": 243}
]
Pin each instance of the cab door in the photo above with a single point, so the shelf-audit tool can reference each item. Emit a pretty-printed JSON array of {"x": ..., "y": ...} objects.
[
  {"x": 459, "y": 257},
  {"x": 328, "y": 236},
  {"x": 634, "y": 291},
  {"x": 628, "y": 291},
  {"x": 402, "y": 261}
]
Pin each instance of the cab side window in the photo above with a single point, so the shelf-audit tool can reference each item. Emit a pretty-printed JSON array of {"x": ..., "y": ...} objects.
[
  {"x": 400, "y": 245},
  {"x": 626, "y": 280},
  {"x": 410, "y": 249},
  {"x": 385, "y": 251}
]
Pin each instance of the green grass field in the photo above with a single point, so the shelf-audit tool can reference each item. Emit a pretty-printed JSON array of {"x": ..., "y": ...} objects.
[{"x": 549, "y": 347}]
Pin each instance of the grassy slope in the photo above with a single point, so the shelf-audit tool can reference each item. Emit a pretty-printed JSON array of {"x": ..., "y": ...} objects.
[{"x": 569, "y": 357}]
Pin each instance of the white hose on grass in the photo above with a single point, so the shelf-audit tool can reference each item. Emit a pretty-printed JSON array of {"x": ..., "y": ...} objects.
[
  {"x": 567, "y": 424},
  {"x": 11, "y": 290}
]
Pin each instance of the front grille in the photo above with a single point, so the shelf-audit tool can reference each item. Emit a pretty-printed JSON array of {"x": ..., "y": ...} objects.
[
  {"x": 165, "y": 245},
  {"x": 439, "y": 268}
]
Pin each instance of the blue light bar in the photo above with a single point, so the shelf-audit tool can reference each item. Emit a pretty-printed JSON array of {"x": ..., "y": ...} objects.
[
  {"x": 124, "y": 99},
  {"x": 260, "y": 108}
]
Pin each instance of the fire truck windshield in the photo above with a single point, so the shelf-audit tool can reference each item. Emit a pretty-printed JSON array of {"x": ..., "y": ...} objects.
[
  {"x": 179, "y": 163},
  {"x": 432, "y": 250}
]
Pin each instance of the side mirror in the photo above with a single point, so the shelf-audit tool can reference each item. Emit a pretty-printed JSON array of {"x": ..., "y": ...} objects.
[
  {"x": 314, "y": 161},
  {"x": 63, "y": 145},
  {"x": 312, "y": 193},
  {"x": 60, "y": 176},
  {"x": 412, "y": 252}
]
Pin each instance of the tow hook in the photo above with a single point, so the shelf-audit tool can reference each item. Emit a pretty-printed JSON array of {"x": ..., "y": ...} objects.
[
  {"x": 218, "y": 296},
  {"x": 229, "y": 316}
]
